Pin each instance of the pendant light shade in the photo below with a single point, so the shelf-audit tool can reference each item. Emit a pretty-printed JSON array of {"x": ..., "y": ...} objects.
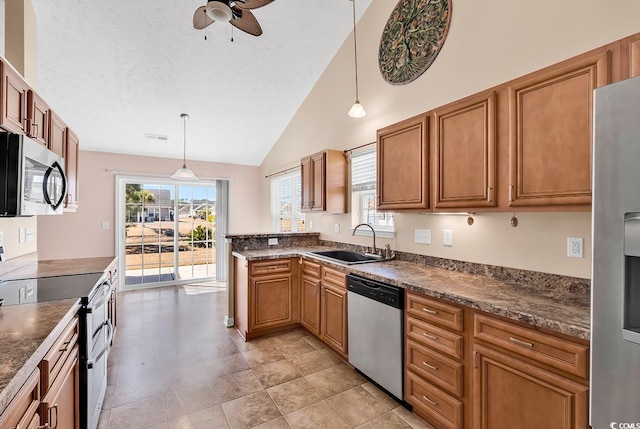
[
  {"x": 356, "y": 111},
  {"x": 184, "y": 173}
]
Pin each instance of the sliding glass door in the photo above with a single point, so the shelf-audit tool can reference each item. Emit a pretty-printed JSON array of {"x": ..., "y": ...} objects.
[{"x": 170, "y": 231}]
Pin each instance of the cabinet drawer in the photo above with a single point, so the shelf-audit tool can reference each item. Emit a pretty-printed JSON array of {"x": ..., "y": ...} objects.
[
  {"x": 430, "y": 310},
  {"x": 561, "y": 354},
  {"x": 23, "y": 408},
  {"x": 271, "y": 267},
  {"x": 435, "y": 368},
  {"x": 334, "y": 277},
  {"x": 53, "y": 361},
  {"x": 438, "y": 407},
  {"x": 434, "y": 337},
  {"x": 311, "y": 268}
]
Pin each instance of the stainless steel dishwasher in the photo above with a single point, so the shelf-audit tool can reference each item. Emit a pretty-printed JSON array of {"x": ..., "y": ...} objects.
[{"x": 375, "y": 314}]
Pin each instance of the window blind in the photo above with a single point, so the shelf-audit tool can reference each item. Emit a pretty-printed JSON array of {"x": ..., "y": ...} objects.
[{"x": 363, "y": 171}]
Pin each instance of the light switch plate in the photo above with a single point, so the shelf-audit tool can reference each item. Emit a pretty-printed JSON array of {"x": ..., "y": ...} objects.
[
  {"x": 29, "y": 235},
  {"x": 422, "y": 236},
  {"x": 447, "y": 237},
  {"x": 105, "y": 225},
  {"x": 272, "y": 241}
]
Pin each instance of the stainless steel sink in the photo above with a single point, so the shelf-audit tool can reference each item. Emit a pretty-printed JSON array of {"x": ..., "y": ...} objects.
[{"x": 347, "y": 257}]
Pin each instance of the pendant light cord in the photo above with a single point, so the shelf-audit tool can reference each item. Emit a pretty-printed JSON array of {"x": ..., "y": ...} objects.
[
  {"x": 355, "y": 49},
  {"x": 184, "y": 146}
]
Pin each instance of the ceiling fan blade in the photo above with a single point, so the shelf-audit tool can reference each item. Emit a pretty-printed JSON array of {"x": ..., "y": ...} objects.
[
  {"x": 201, "y": 19},
  {"x": 252, "y": 4},
  {"x": 247, "y": 23}
]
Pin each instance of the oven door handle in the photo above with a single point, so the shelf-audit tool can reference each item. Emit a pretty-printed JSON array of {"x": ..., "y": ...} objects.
[
  {"x": 106, "y": 295},
  {"x": 91, "y": 362}
]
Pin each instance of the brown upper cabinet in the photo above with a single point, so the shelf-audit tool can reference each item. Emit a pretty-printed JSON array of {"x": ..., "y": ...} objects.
[
  {"x": 550, "y": 132},
  {"x": 324, "y": 182},
  {"x": 38, "y": 112},
  {"x": 402, "y": 163},
  {"x": 57, "y": 134},
  {"x": 14, "y": 100},
  {"x": 465, "y": 153},
  {"x": 72, "y": 147},
  {"x": 630, "y": 56}
]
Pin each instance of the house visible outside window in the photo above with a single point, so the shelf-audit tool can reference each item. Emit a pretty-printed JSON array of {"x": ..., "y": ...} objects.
[
  {"x": 286, "y": 201},
  {"x": 363, "y": 196}
]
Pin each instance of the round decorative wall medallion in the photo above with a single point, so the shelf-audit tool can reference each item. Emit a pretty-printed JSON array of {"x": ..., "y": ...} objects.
[{"x": 412, "y": 38}]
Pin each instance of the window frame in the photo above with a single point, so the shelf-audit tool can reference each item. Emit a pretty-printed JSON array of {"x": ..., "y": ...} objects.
[{"x": 296, "y": 203}]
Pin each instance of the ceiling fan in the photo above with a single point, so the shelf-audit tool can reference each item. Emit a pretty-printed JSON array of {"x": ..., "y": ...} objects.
[{"x": 237, "y": 13}]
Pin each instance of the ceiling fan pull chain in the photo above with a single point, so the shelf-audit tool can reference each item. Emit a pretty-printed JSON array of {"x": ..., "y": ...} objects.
[
  {"x": 232, "y": 34},
  {"x": 205, "y": 28}
]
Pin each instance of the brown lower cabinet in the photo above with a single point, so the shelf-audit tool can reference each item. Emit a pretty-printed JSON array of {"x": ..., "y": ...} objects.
[
  {"x": 468, "y": 369},
  {"x": 50, "y": 396},
  {"x": 266, "y": 296},
  {"x": 512, "y": 393},
  {"x": 22, "y": 411},
  {"x": 334, "y": 318}
]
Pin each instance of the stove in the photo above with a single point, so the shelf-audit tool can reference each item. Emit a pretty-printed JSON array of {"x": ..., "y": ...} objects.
[{"x": 41, "y": 289}]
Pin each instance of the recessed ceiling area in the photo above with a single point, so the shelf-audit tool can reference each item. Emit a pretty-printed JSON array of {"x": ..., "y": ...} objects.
[{"x": 117, "y": 70}]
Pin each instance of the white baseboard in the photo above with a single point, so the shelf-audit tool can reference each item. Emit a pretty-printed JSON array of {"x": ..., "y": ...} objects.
[{"x": 228, "y": 322}]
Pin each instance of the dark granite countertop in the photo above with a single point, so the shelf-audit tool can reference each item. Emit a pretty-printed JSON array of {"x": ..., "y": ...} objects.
[
  {"x": 556, "y": 310},
  {"x": 28, "y": 331}
]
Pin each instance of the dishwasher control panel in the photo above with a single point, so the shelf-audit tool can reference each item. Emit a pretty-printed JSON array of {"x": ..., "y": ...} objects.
[{"x": 375, "y": 290}]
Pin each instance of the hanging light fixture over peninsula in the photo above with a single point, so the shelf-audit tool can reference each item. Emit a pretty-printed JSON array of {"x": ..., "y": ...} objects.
[
  {"x": 184, "y": 173},
  {"x": 356, "y": 111}
]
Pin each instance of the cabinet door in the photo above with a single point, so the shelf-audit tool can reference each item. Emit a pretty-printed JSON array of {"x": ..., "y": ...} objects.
[
  {"x": 37, "y": 118},
  {"x": 14, "y": 101},
  {"x": 318, "y": 167},
  {"x": 72, "y": 148},
  {"x": 403, "y": 175},
  {"x": 22, "y": 411},
  {"x": 334, "y": 317},
  {"x": 57, "y": 134},
  {"x": 510, "y": 393},
  {"x": 270, "y": 301},
  {"x": 550, "y": 133},
  {"x": 465, "y": 153},
  {"x": 310, "y": 304},
  {"x": 630, "y": 56},
  {"x": 60, "y": 407},
  {"x": 306, "y": 171}
]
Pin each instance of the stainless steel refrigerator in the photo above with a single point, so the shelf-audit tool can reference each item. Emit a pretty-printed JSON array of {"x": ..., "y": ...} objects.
[{"x": 615, "y": 272}]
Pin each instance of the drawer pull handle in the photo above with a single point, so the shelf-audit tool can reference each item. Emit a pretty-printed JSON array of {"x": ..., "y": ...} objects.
[
  {"x": 65, "y": 346},
  {"x": 434, "y": 403},
  {"x": 428, "y": 310},
  {"x": 431, "y": 337},
  {"x": 520, "y": 342},
  {"x": 429, "y": 366}
]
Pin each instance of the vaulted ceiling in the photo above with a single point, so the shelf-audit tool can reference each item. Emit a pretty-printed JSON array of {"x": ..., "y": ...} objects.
[{"x": 119, "y": 69}]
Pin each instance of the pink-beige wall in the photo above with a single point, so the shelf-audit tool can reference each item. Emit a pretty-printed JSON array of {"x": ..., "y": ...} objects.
[
  {"x": 80, "y": 234},
  {"x": 489, "y": 42}
]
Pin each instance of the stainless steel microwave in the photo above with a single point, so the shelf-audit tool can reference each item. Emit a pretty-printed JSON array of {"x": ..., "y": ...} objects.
[{"x": 32, "y": 178}]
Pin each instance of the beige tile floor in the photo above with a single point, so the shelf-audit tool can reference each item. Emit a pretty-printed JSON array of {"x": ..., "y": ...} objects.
[{"x": 174, "y": 365}]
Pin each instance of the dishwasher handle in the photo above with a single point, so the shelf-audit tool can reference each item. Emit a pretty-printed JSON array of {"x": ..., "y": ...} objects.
[{"x": 375, "y": 290}]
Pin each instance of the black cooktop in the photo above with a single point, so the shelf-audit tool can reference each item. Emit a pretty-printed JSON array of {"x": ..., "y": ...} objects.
[{"x": 15, "y": 292}]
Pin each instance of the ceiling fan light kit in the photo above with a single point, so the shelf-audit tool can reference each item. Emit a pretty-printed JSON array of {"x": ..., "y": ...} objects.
[
  {"x": 184, "y": 173},
  {"x": 218, "y": 11}
]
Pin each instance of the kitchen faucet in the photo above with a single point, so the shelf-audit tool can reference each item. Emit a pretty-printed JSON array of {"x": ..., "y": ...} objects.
[{"x": 374, "y": 251}]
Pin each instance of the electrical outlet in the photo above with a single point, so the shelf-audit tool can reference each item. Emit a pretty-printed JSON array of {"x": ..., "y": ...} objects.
[
  {"x": 447, "y": 237},
  {"x": 422, "y": 236},
  {"x": 574, "y": 247},
  {"x": 29, "y": 235},
  {"x": 310, "y": 223},
  {"x": 336, "y": 228},
  {"x": 1, "y": 238},
  {"x": 272, "y": 241},
  {"x": 22, "y": 235}
]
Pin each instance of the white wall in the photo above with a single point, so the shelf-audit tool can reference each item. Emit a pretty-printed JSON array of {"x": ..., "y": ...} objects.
[
  {"x": 489, "y": 42},
  {"x": 80, "y": 234},
  {"x": 10, "y": 227}
]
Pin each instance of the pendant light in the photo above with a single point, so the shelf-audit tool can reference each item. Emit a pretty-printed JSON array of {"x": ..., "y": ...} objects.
[
  {"x": 184, "y": 173},
  {"x": 356, "y": 111}
]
